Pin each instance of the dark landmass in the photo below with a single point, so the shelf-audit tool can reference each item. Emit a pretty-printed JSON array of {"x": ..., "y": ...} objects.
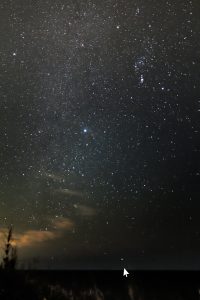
[{"x": 75, "y": 285}]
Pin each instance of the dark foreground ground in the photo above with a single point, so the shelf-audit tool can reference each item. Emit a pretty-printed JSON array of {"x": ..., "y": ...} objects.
[{"x": 75, "y": 285}]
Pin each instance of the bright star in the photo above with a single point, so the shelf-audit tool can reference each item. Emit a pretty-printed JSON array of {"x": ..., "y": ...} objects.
[{"x": 141, "y": 79}]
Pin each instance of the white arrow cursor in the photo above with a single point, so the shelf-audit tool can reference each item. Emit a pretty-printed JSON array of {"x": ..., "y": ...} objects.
[{"x": 126, "y": 273}]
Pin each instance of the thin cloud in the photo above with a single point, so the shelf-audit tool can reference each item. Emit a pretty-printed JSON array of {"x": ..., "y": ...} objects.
[
  {"x": 63, "y": 223},
  {"x": 69, "y": 192},
  {"x": 31, "y": 238},
  {"x": 85, "y": 210}
]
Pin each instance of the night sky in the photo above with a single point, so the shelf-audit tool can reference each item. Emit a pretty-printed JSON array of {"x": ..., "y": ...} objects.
[{"x": 99, "y": 132}]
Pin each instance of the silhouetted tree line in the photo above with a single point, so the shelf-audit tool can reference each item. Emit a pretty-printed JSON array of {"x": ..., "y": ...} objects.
[{"x": 9, "y": 259}]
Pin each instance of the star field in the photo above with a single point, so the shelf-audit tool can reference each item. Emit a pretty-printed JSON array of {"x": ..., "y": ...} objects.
[{"x": 99, "y": 131}]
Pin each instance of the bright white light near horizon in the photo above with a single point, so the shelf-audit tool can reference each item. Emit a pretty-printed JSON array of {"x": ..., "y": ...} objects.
[{"x": 85, "y": 130}]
